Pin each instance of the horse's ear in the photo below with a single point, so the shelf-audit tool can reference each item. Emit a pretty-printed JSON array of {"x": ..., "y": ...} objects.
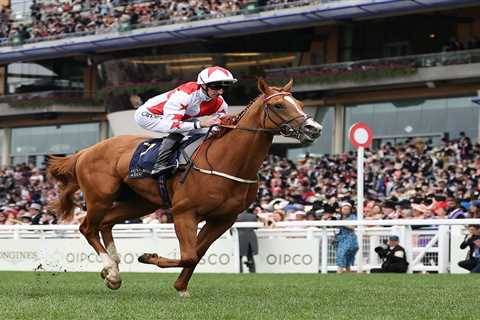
[
  {"x": 288, "y": 86},
  {"x": 263, "y": 86}
]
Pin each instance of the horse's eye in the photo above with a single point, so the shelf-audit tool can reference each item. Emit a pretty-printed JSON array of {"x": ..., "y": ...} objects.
[{"x": 278, "y": 106}]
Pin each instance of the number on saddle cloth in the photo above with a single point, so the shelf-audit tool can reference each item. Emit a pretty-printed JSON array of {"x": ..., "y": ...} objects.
[{"x": 144, "y": 159}]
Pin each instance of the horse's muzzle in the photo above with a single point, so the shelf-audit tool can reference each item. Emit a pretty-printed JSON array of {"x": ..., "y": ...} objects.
[{"x": 311, "y": 130}]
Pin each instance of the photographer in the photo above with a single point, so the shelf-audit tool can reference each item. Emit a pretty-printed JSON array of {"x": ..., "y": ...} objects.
[
  {"x": 472, "y": 263},
  {"x": 393, "y": 255}
]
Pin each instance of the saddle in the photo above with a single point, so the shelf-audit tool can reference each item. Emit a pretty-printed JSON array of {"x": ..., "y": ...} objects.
[{"x": 146, "y": 155}]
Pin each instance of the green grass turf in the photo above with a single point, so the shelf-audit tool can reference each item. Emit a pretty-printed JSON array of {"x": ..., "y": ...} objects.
[{"x": 44, "y": 295}]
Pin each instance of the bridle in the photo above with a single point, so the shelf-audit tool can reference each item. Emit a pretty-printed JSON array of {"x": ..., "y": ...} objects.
[{"x": 283, "y": 126}]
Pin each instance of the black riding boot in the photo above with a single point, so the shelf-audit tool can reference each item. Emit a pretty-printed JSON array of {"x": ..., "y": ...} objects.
[{"x": 166, "y": 152}]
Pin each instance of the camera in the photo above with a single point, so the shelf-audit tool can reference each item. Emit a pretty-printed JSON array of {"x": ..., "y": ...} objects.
[{"x": 382, "y": 250}]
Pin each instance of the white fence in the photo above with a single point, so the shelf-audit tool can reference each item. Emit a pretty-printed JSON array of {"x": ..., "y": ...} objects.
[{"x": 299, "y": 247}]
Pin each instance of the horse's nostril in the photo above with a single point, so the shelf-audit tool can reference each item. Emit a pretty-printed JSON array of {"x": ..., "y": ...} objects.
[{"x": 312, "y": 128}]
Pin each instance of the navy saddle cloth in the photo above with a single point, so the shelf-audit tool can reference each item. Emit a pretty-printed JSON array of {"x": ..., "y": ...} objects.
[{"x": 146, "y": 155}]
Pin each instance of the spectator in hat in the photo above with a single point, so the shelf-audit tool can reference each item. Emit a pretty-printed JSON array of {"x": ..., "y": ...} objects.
[
  {"x": 300, "y": 215},
  {"x": 346, "y": 240},
  {"x": 35, "y": 208},
  {"x": 35, "y": 212},
  {"x": 393, "y": 255}
]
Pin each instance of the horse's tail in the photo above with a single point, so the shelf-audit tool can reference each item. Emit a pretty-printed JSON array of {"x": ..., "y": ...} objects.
[{"x": 62, "y": 169}]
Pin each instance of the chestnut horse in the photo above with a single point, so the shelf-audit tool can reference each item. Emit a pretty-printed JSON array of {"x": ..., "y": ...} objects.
[{"x": 217, "y": 194}]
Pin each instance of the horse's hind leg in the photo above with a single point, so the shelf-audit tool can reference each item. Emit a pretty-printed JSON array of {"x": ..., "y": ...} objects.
[
  {"x": 210, "y": 232},
  {"x": 121, "y": 212},
  {"x": 90, "y": 228},
  {"x": 113, "y": 253},
  {"x": 109, "y": 243},
  {"x": 99, "y": 198}
]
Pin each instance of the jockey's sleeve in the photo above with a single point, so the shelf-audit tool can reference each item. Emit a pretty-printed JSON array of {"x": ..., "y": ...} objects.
[
  {"x": 222, "y": 110},
  {"x": 174, "y": 113}
]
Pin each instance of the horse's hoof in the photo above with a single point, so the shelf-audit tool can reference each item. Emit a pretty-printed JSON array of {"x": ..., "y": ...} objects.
[
  {"x": 145, "y": 258},
  {"x": 114, "y": 285},
  {"x": 184, "y": 294}
]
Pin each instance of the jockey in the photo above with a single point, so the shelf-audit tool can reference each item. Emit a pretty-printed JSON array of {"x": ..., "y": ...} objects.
[{"x": 176, "y": 111}]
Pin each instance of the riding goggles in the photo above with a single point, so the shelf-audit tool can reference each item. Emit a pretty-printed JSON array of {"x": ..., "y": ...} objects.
[{"x": 219, "y": 85}]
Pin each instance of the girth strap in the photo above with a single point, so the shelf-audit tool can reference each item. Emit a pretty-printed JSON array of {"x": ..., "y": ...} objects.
[{"x": 224, "y": 175}]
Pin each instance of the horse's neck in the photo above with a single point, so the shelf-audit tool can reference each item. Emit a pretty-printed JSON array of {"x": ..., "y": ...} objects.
[
  {"x": 255, "y": 145},
  {"x": 242, "y": 152}
]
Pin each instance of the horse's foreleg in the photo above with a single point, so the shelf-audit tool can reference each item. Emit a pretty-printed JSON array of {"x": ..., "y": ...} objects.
[
  {"x": 186, "y": 229},
  {"x": 210, "y": 232}
]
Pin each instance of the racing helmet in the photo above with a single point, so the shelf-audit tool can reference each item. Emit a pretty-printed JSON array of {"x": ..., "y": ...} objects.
[{"x": 216, "y": 77}]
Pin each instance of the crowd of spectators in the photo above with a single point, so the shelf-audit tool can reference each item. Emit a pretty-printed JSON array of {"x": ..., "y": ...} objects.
[
  {"x": 412, "y": 180},
  {"x": 59, "y": 17},
  {"x": 24, "y": 193}
]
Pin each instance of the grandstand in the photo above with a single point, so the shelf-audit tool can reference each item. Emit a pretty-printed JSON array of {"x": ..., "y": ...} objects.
[{"x": 71, "y": 68}]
